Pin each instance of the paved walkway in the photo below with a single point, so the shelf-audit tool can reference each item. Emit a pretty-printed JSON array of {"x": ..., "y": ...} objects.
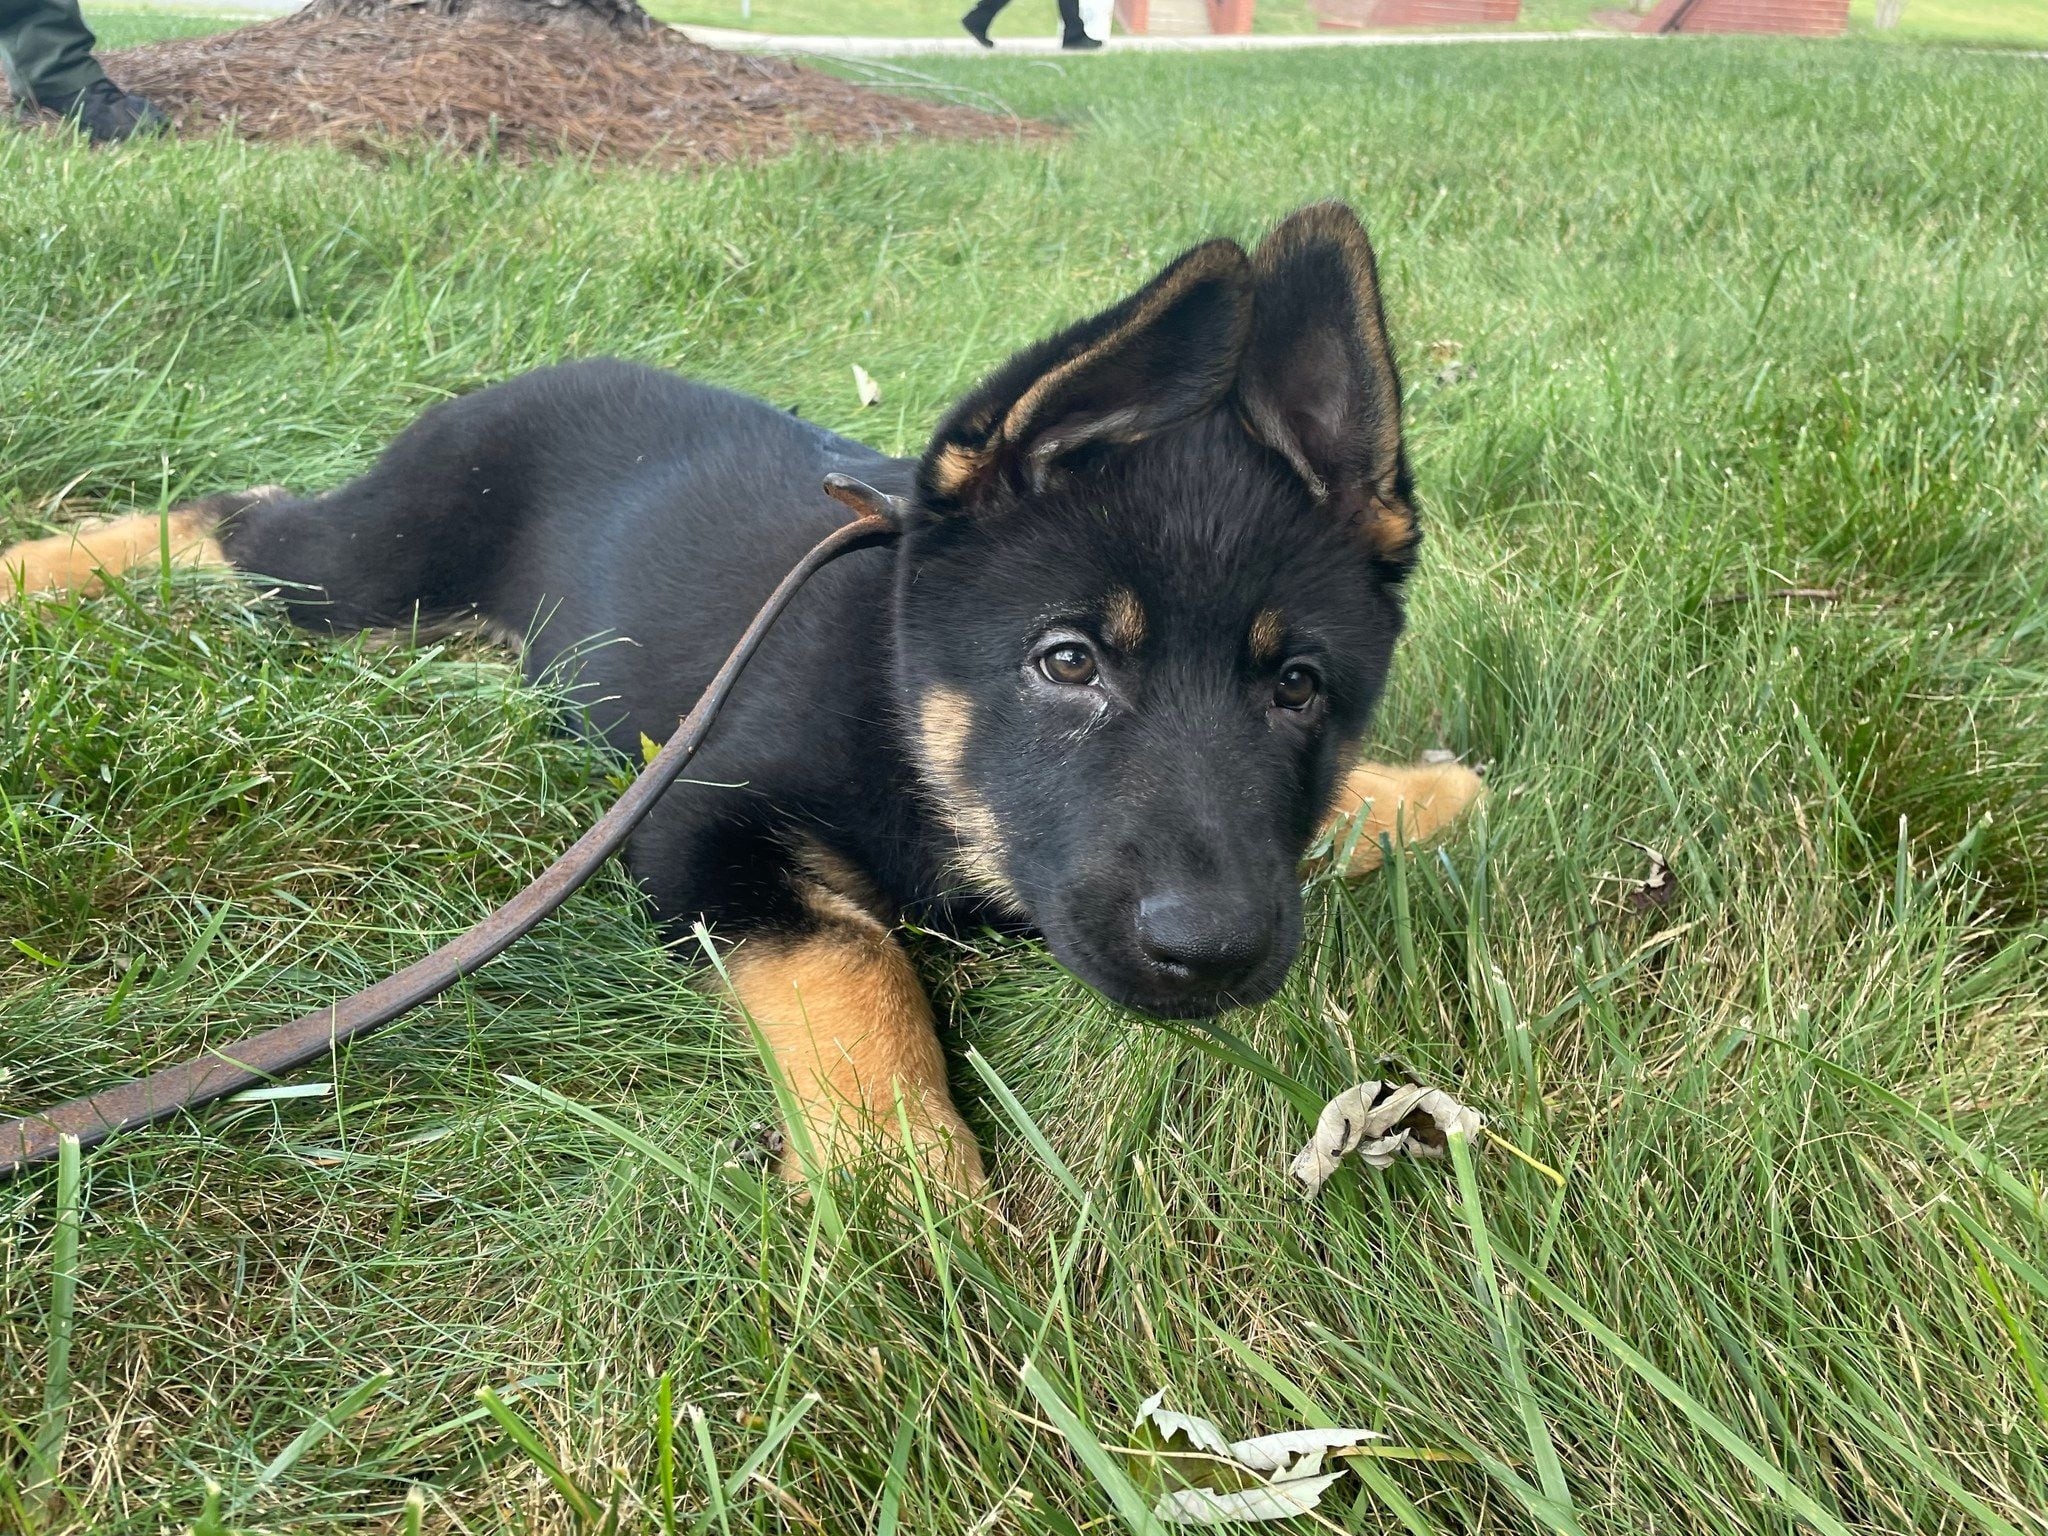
[{"x": 908, "y": 47}]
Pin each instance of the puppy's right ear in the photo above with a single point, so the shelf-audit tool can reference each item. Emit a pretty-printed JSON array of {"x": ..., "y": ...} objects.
[
  {"x": 1320, "y": 386},
  {"x": 1165, "y": 354}
]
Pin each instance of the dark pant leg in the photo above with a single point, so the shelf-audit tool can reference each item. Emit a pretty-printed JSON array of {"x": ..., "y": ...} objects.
[
  {"x": 47, "y": 49},
  {"x": 985, "y": 12}
]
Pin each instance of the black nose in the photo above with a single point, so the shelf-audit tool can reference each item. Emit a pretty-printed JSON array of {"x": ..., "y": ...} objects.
[{"x": 1202, "y": 937}]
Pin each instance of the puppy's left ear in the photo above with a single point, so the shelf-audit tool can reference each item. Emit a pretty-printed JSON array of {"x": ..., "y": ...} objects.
[
  {"x": 1319, "y": 385},
  {"x": 1167, "y": 353}
]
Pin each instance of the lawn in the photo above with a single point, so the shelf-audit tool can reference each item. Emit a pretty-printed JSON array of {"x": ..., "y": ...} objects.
[
  {"x": 1734, "y": 318},
  {"x": 1972, "y": 21},
  {"x": 1978, "y": 22}
]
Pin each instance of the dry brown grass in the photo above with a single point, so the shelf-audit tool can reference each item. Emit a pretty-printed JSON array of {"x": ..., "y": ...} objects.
[{"x": 375, "y": 87}]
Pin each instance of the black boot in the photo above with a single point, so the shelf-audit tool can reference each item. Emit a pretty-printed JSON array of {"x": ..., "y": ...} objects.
[
  {"x": 106, "y": 113},
  {"x": 1072, "y": 34},
  {"x": 977, "y": 21}
]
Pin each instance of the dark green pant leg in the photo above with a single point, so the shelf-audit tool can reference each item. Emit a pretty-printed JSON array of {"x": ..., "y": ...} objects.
[{"x": 47, "y": 48}]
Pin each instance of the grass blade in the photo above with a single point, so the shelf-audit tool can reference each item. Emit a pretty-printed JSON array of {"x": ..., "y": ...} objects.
[
  {"x": 1131, "y": 1506},
  {"x": 665, "y": 1449},
  {"x": 1026, "y": 1126},
  {"x": 55, "y": 1428},
  {"x": 352, "y": 1403},
  {"x": 1542, "y": 1452},
  {"x": 659, "y": 1156},
  {"x": 528, "y": 1440},
  {"x": 890, "y": 1511}
]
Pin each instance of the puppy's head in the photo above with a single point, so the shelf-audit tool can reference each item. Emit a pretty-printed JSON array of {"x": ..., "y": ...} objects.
[{"x": 1147, "y": 603}]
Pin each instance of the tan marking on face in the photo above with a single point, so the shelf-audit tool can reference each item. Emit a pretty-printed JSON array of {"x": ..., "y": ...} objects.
[
  {"x": 1389, "y": 529},
  {"x": 1123, "y": 620},
  {"x": 78, "y": 561},
  {"x": 852, "y": 1035},
  {"x": 1268, "y": 630},
  {"x": 945, "y": 719}
]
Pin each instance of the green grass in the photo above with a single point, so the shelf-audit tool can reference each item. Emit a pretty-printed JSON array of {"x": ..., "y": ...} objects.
[
  {"x": 1975, "y": 21},
  {"x": 1022, "y": 18},
  {"x": 1966, "y": 21},
  {"x": 1989, "y": 22},
  {"x": 126, "y": 28},
  {"x": 1743, "y": 317}
]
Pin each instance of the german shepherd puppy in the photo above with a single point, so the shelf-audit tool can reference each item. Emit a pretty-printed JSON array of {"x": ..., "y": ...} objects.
[{"x": 1107, "y": 686}]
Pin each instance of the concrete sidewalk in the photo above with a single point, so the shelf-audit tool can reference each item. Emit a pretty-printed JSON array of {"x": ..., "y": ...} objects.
[{"x": 965, "y": 46}]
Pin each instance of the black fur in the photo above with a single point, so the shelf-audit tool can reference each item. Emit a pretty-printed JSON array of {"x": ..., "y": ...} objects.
[{"x": 1205, "y": 448}]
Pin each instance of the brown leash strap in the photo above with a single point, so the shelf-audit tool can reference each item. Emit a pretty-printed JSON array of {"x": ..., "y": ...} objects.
[{"x": 258, "y": 1058}]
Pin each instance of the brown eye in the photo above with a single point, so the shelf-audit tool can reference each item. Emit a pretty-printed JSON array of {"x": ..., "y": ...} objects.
[
  {"x": 1069, "y": 664},
  {"x": 1297, "y": 688}
]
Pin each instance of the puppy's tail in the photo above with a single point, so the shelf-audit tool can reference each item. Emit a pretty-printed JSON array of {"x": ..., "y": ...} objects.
[{"x": 80, "y": 559}]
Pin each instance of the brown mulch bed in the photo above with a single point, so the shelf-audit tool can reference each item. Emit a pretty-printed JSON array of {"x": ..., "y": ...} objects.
[{"x": 378, "y": 87}]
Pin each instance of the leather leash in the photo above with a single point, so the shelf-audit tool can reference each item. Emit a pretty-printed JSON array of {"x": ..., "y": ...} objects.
[{"x": 253, "y": 1059}]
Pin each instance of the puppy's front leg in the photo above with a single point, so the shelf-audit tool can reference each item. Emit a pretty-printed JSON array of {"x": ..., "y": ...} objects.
[
  {"x": 1414, "y": 803},
  {"x": 853, "y": 1035}
]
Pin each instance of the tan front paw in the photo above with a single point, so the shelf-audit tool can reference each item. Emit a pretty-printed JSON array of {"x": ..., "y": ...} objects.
[
  {"x": 79, "y": 560},
  {"x": 1409, "y": 804}
]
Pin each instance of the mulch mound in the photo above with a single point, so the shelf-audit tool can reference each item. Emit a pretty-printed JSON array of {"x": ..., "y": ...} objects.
[{"x": 378, "y": 87}]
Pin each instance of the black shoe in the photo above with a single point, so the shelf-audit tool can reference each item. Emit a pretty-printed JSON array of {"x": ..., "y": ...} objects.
[
  {"x": 977, "y": 28},
  {"x": 1080, "y": 42},
  {"x": 106, "y": 113}
]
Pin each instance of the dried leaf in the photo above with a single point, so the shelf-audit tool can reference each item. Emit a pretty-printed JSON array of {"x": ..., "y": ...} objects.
[
  {"x": 1268, "y": 1501},
  {"x": 1203, "y": 1479},
  {"x": 1378, "y": 1121},
  {"x": 1447, "y": 356},
  {"x": 1658, "y": 889},
  {"x": 864, "y": 385}
]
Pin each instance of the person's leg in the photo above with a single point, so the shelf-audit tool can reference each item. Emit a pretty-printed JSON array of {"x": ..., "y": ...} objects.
[
  {"x": 975, "y": 21},
  {"x": 47, "y": 48},
  {"x": 1072, "y": 33}
]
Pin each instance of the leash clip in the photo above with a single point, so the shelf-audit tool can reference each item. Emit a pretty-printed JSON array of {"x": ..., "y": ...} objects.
[{"x": 864, "y": 499}]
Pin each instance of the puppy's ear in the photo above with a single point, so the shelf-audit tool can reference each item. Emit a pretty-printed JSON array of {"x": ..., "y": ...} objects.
[
  {"x": 1319, "y": 385},
  {"x": 1165, "y": 354}
]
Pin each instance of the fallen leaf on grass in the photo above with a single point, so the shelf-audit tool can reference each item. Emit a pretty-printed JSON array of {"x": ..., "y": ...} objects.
[
  {"x": 1657, "y": 889},
  {"x": 1203, "y": 1479},
  {"x": 864, "y": 385},
  {"x": 1378, "y": 1121},
  {"x": 1451, "y": 368}
]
